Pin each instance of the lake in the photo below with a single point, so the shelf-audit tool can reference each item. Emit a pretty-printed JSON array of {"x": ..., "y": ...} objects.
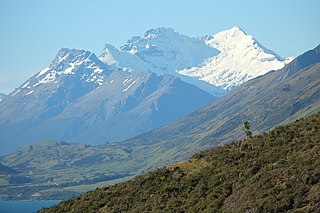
[{"x": 25, "y": 206}]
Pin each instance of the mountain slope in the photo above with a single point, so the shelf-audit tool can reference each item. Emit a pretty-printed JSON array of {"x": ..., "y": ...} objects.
[
  {"x": 197, "y": 61},
  {"x": 78, "y": 98},
  {"x": 2, "y": 96},
  {"x": 45, "y": 106},
  {"x": 163, "y": 51},
  {"x": 130, "y": 103},
  {"x": 72, "y": 74},
  {"x": 267, "y": 101},
  {"x": 5, "y": 170},
  {"x": 273, "y": 99},
  {"x": 283, "y": 164},
  {"x": 241, "y": 58}
]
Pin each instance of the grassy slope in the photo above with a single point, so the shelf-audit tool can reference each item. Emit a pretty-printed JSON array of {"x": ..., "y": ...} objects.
[
  {"x": 57, "y": 168},
  {"x": 274, "y": 172}
]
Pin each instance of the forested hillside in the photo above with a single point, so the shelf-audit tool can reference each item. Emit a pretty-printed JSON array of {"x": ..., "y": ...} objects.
[{"x": 274, "y": 172}]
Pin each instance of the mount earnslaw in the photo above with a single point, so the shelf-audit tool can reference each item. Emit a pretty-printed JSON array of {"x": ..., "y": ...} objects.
[{"x": 149, "y": 82}]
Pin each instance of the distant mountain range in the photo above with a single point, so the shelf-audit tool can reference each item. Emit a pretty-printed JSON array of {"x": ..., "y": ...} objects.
[
  {"x": 224, "y": 60},
  {"x": 267, "y": 101},
  {"x": 78, "y": 98},
  {"x": 149, "y": 82}
]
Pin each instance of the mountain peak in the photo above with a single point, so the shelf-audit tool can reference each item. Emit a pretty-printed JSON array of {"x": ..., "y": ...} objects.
[
  {"x": 236, "y": 29},
  {"x": 157, "y": 36},
  {"x": 241, "y": 58},
  {"x": 70, "y": 56},
  {"x": 107, "y": 54},
  {"x": 155, "y": 33},
  {"x": 225, "y": 60},
  {"x": 81, "y": 63},
  {"x": 234, "y": 32}
]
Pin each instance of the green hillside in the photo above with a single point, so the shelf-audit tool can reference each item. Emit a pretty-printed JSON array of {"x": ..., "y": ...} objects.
[
  {"x": 56, "y": 169},
  {"x": 274, "y": 172}
]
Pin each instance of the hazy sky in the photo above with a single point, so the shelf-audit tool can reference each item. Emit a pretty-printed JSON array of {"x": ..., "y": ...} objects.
[{"x": 33, "y": 31}]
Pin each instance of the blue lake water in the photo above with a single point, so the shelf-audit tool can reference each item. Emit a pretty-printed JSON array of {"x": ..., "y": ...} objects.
[{"x": 25, "y": 206}]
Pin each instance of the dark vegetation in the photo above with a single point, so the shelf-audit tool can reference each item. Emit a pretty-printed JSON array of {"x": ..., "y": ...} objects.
[{"x": 275, "y": 172}]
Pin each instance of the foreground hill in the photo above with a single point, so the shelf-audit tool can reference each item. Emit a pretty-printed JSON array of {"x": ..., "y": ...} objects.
[{"x": 274, "y": 172}]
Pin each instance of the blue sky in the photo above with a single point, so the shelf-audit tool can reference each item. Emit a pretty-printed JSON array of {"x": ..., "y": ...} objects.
[{"x": 33, "y": 31}]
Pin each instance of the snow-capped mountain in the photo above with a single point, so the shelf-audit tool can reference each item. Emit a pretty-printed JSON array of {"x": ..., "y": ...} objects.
[
  {"x": 80, "y": 99},
  {"x": 80, "y": 64},
  {"x": 72, "y": 74},
  {"x": 223, "y": 61},
  {"x": 163, "y": 51},
  {"x": 130, "y": 90},
  {"x": 241, "y": 58}
]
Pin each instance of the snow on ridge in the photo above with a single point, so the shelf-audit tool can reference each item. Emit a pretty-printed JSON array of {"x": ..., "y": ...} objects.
[
  {"x": 16, "y": 92},
  {"x": 42, "y": 72},
  {"x": 72, "y": 62},
  {"x": 127, "y": 81},
  {"x": 130, "y": 85},
  {"x": 241, "y": 58},
  {"x": 287, "y": 60},
  {"x": 160, "y": 50},
  {"x": 29, "y": 93},
  {"x": 107, "y": 56},
  {"x": 50, "y": 77},
  {"x": 98, "y": 70},
  {"x": 225, "y": 60},
  {"x": 26, "y": 84},
  {"x": 238, "y": 57}
]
